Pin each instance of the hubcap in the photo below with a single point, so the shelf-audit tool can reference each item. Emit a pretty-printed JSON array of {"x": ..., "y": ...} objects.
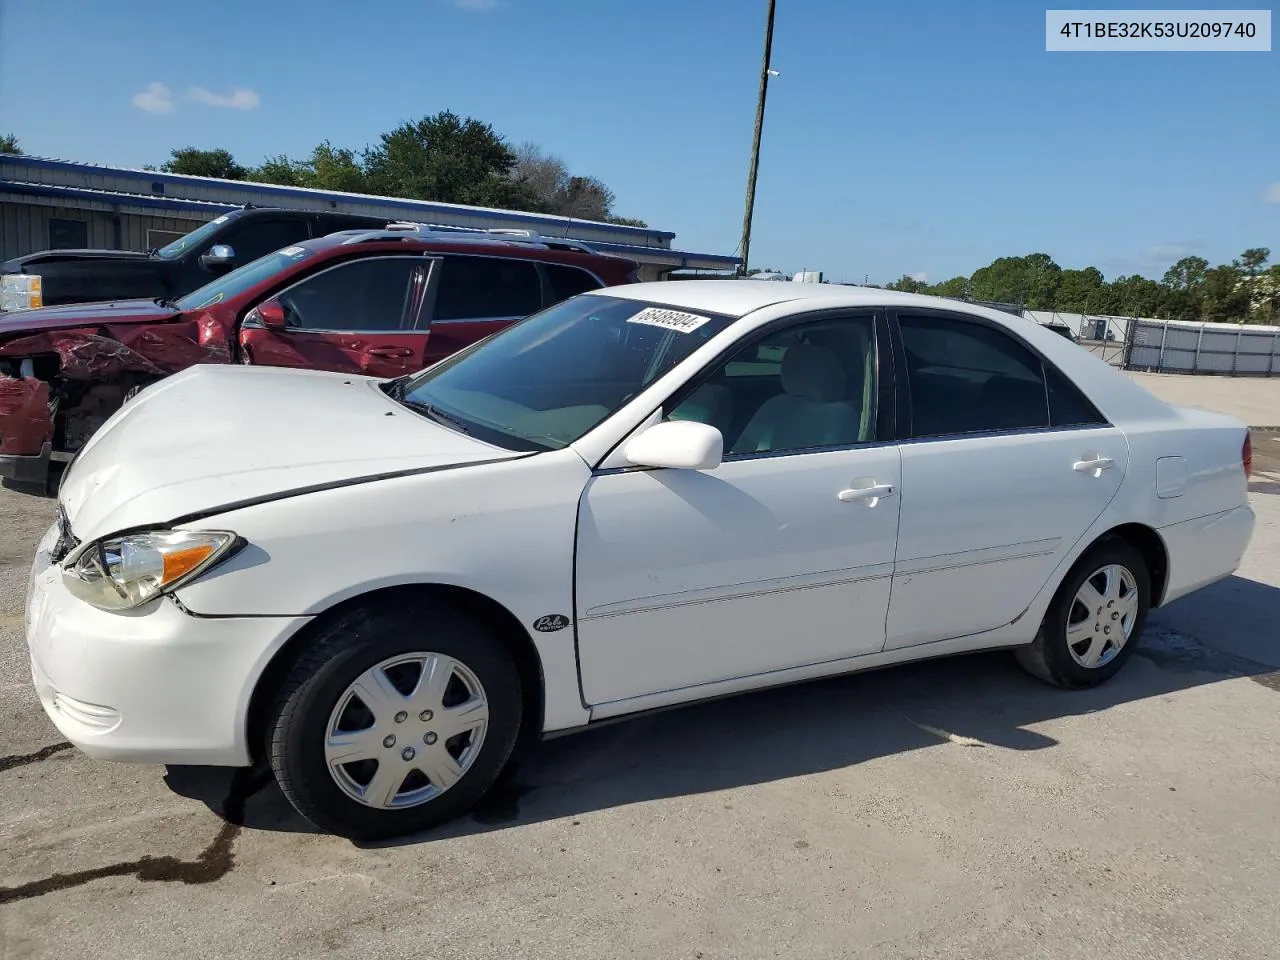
[
  {"x": 429, "y": 699},
  {"x": 1102, "y": 616}
]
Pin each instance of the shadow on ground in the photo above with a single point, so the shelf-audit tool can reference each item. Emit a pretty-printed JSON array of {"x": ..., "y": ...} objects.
[{"x": 809, "y": 728}]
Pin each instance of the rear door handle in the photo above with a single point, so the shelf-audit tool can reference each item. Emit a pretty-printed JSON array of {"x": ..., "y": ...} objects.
[
  {"x": 390, "y": 352},
  {"x": 862, "y": 494},
  {"x": 1094, "y": 466}
]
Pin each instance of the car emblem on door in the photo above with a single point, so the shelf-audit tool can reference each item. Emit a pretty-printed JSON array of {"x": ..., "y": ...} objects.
[{"x": 551, "y": 623}]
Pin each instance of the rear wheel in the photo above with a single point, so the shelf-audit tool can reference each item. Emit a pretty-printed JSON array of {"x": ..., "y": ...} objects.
[
  {"x": 1095, "y": 619},
  {"x": 394, "y": 721}
]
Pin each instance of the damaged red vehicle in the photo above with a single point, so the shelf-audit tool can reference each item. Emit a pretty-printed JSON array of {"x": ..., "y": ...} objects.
[{"x": 377, "y": 303}]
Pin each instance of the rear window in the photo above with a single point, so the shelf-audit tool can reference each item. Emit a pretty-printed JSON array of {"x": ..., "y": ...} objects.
[
  {"x": 568, "y": 282},
  {"x": 480, "y": 287}
]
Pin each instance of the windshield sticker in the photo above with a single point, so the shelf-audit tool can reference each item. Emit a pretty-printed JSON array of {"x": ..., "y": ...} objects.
[
  {"x": 668, "y": 319},
  {"x": 294, "y": 251},
  {"x": 221, "y": 219},
  {"x": 216, "y": 298}
]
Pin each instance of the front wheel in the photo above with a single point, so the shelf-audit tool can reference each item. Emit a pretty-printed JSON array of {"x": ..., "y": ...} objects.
[
  {"x": 393, "y": 721},
  {"x": 1095, "y": 619}
]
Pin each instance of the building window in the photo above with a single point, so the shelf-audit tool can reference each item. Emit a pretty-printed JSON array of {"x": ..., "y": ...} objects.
[
  {"x": 68, "y": 234},
  {"x": 159, "y": 238}
]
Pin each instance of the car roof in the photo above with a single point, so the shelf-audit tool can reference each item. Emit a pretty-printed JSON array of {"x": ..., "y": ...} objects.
[
  {"x": 380, "y": 241},
  {"x": 737, "y": 298}
]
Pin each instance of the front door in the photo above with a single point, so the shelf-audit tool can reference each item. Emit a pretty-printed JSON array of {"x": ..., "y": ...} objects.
[
  {"x": 1007, "y": 467},
  {"x": 780, "y": 557},
  {"x": 363, "y": 316}
]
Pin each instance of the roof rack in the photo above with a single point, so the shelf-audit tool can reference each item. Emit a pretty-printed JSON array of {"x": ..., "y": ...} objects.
[{"x": 403, "y": 229}]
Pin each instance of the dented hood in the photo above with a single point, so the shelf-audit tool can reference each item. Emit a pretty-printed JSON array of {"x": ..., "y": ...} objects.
[
  {"x": 213, "y": 436},
  {"x": 84, "y": 315}
]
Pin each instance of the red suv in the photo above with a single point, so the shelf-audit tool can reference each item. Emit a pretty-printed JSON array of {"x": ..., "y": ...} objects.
[{"x": 374, "y": 302}]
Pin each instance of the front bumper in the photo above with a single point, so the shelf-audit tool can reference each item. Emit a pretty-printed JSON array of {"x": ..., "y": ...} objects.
[{"x": 149, "y": 685}]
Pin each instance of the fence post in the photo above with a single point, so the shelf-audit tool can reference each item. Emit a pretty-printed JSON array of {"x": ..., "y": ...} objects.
[
  {"x": 1235, "y": 357},
  {"x": 1271, "y": 360},
  {"x": 1164, "y": 335},
  {"x": 1195, "y": 361}
]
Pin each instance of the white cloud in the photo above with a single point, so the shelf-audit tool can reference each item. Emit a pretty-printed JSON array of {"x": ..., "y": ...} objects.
[
  {"x": 238, "y": 99},
  {"x": 920, "y": 277},
  {"x": 157, "y": 98},
  {"x": 1169, "y": 252},
  {"x": 1273, "y": 193}
]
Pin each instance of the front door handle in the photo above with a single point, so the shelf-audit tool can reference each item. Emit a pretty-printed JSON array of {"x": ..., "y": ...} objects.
[
  {"x": 390, "y": 352},
  {"x": 869, "y": 495},
  {"x": 1094, "y": 465}
]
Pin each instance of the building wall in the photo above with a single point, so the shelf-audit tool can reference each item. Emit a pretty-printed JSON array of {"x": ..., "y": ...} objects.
[{"x": 25, "y": 227}]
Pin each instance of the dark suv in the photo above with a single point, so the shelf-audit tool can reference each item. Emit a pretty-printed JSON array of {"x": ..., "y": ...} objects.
[
  {"x": 191, "y": 261},
  {"x": 379, "y": 303}
]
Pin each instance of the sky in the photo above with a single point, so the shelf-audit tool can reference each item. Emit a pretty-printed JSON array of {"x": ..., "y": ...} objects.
[{"x": 921, "y": 138}]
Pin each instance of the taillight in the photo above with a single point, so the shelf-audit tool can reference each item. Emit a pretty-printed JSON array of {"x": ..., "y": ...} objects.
[{"x": 1246, "y": 453}]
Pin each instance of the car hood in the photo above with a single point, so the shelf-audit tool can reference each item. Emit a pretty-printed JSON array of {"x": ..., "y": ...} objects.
[
  {"x": 213, "y": 437},
  {"x": 32, "y": 261},
  {"x": 83, "y": 315}
]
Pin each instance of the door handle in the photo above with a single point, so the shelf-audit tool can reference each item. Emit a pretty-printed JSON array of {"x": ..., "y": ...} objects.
[
  {"x": 872, "y": 493},
  {"x": 390, "y": 352},
  {"x": 1094, "y": 466}
]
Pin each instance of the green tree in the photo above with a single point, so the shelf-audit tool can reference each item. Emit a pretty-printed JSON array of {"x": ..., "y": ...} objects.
[
  {"x": 955, "y": 287},
  {"x": 906, "y": 284},
  {"x": 1132, "y": 296},
  {"x": 1224, "y": 297},
  {"x": 282, "y": 170},
  {"x": 446, "y": 158},
  {"x": 1080, "y": 291},
  {"x": 626, "y": 221},
  {"x": 9, "y": 144},
  {"x": 1253, "y": 259},
  {"x": 328, "y": 168},
  {"x": 1031, "y": 280},
  {"x": 204, "y": 163},
  {"x": 1187, "y": 274}
]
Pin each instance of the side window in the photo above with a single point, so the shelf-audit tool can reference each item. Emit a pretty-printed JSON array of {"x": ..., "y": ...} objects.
[
  {"x": 474, "y": 288},
  {"x": 367, "y": 294},
  {"x": 1068, "y": 407},
  {"x": 969, "y": 378},
  {"x": 260, "y": 237},
  {"x": 801, "y": 388},
  {"x": 566, "y": 282}
]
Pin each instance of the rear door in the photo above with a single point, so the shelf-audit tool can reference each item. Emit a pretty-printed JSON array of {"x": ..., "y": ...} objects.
[
  {"x": 252, "y": 238},
  {"x": 477, "y": 296},
  {"x": 362, "y": 316},
  {"x": 1005, "y": 466}
]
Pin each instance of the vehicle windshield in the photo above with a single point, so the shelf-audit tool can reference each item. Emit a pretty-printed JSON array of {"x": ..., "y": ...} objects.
[
  {"x": 241, "y": 279},
  {"x": 544, "y": 382},
  {"x": 193, "y": 239}
]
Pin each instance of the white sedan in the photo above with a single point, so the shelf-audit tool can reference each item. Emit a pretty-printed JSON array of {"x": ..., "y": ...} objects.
[{"x": 641, "y": 497}]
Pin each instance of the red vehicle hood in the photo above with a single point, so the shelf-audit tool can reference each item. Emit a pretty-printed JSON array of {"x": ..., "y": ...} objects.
[{"x": 83, "y": 315}]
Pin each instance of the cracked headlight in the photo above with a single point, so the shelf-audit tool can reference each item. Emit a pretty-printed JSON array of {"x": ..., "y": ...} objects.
[
  {"x": 125, "y": 571},
  {"x": 21, "y": 291}
]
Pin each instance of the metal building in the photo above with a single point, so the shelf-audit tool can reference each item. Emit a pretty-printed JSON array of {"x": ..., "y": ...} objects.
[{"x": 57, "y": 204}]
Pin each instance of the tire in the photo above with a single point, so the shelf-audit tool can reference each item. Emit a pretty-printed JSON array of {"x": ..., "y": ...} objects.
[
  {"x": 319, "y": 715},
  {"x": 1072, "y": 634}
]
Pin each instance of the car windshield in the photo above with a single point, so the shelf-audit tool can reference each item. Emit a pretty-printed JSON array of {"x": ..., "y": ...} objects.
[
  {"x": 193, "y": 239},
  {"x": 544, "y": 382},
  {"x": 242, "y": 278}
]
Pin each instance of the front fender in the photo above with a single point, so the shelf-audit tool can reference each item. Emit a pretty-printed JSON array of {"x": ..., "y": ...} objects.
[{"x": 504, "y": 529}]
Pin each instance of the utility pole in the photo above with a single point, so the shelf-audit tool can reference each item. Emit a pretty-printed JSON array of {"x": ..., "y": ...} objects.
[{"x": 765, "y": 73}]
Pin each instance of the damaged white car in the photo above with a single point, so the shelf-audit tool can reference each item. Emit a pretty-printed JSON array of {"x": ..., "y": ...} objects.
[{"x": 636, "y": 498}]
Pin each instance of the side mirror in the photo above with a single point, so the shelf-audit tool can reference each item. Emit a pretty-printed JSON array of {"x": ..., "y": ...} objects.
[
  {"x": 219, "y": 258},
  {"x": 271, "y": 315},
  {"x": 679, "y": 444}
]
